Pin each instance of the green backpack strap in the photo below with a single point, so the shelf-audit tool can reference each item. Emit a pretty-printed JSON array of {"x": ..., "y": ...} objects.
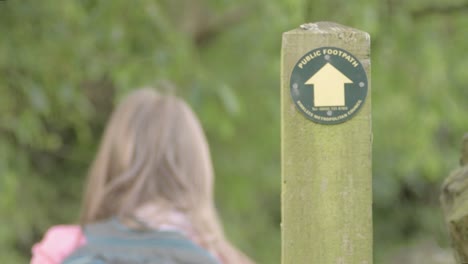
[{"x": 110, "y": 242}]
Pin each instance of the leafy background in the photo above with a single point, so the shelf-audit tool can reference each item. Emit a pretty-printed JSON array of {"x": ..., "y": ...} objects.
[{"x": 63, "y": 65}]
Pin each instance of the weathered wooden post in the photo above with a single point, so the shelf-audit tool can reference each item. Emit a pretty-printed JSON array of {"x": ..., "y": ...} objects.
[
  {"x": 454, "y": 200},
  {"x": 326, "y": 145}
]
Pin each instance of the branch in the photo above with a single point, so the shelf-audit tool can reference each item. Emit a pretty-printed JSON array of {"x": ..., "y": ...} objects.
[
  {"x": 439, "y": 10},
  {"x": 218, "y": 25}
]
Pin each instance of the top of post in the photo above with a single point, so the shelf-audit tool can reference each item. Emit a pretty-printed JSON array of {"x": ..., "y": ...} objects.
[{"x": 325, "y": 27}]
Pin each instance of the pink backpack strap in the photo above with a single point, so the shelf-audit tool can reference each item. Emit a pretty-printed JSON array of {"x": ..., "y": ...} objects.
[{"x": 59, "y": 242}]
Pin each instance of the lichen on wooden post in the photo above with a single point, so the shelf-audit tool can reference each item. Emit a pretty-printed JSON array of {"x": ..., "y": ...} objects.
[
  {"x": 454, "y": 200},
  {"x": 326, "y": 152}
]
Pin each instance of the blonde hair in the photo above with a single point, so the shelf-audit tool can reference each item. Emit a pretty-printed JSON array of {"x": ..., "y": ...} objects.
[{"x": 154, "y": 152}]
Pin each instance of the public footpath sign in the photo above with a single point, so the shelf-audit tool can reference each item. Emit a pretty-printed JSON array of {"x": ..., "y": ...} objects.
[
  {"x": 328, "y": 85},
  {"x": 326, "y": 145}
]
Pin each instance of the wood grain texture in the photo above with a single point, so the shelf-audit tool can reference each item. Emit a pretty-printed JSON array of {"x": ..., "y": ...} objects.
[{"x": 326, "y": 169}]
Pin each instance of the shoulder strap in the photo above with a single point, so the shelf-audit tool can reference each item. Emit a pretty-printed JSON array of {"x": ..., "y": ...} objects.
[{"x": 111, "y": 242}]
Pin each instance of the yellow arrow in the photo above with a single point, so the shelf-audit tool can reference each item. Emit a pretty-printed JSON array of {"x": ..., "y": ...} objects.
[{"x": 328, "y": 85}]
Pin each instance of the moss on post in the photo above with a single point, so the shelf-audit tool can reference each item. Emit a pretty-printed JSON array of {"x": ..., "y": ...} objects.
[{"x": 326, "y": 169}]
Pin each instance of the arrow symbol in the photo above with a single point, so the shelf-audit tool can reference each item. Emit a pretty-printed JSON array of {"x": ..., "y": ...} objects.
[{"x": 329, "y": 83}]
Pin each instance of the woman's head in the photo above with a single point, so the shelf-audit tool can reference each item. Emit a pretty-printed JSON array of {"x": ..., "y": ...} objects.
[
  {"x": 153, "y": 151},
  {"x": 154, "y": 158}
]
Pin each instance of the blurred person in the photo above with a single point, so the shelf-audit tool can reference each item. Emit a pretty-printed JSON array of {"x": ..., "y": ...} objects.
[{"x": 149, "y": 193}]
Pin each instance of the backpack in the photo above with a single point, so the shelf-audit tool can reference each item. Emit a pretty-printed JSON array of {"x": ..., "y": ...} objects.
[{"x": 110, "y": 242}]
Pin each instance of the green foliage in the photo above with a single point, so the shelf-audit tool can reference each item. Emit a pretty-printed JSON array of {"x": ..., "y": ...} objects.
[{"x": 63, "y": 64}]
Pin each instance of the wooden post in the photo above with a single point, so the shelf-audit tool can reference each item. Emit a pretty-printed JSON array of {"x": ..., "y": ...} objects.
[
  {"x": 454, "y": 200},
  {"x": 326, "y": 144}
]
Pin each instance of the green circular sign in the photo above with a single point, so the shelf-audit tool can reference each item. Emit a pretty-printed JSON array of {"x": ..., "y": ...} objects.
[{"x": 328, "y": 85}]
